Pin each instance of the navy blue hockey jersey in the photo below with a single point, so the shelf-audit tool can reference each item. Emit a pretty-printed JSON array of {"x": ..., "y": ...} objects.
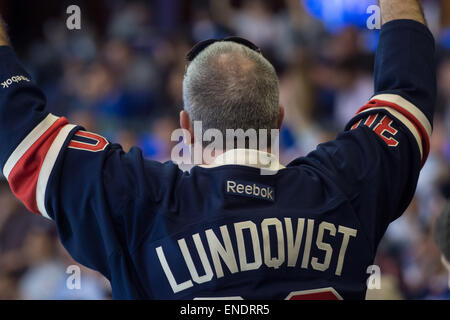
[{"x": 226, "y": 231}]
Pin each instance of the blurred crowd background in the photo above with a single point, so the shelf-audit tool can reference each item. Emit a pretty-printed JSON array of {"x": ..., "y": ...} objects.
[{"x": 121, "y": 75}]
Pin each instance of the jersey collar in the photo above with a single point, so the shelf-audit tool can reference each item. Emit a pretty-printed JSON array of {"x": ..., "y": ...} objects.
[{"x": 247, "y": 157}]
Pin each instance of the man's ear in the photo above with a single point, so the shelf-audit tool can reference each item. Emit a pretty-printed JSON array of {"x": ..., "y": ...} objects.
[
  {"x": 280, "y": 117},
  {"x": 185, "y": 123}
]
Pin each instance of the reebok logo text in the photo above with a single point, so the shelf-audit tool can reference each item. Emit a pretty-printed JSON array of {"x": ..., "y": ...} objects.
[
  {"x": 248, "y": 189},
  {"x": 15, "y": 79}
]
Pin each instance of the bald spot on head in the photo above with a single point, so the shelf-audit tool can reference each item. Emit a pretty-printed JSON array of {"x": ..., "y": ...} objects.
[{"x": 229, "y": 86}]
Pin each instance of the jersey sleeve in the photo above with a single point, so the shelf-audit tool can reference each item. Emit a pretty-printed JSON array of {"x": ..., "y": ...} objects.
[
  {"x": 87, "y": 185},
  {"x": 376, "y": 161}
]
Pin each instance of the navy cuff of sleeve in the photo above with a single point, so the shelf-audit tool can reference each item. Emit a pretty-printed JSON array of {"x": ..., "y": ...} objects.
[{"x": 396, "y": 25}]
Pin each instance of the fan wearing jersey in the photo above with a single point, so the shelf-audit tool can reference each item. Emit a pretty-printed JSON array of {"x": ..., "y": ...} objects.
[{"x": 227, "y": 228}]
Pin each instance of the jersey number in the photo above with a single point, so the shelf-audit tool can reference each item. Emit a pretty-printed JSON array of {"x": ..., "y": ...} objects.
[{"x": 314, "y": 294}]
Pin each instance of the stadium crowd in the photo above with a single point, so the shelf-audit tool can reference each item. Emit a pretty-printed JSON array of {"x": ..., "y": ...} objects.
[{"x": 121, "y": 76}]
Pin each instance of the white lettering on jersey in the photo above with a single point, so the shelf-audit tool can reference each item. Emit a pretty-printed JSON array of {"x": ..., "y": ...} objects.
[{"x": 253, "y": 251}]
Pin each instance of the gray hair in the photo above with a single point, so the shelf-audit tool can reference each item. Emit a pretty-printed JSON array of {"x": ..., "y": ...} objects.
[{"x": 229, "y": 86}]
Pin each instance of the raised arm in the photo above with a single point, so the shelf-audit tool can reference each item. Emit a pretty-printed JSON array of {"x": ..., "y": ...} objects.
[
  {"x": 401, "y": 9},
  {"x": 405, "y": 70},
  {"x": 376, "y": 161},
  {"x": 89, "y": 187},
  {"x": 4, "y": 41}
]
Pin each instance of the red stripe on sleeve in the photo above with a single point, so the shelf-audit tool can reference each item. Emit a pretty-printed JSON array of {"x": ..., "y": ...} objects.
[
  {"x": 24, "y": 176},
  {"x": 420, "y": 128}
]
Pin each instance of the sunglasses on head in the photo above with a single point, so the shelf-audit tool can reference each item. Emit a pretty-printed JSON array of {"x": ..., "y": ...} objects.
[{"x": 199, "y": 47}]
